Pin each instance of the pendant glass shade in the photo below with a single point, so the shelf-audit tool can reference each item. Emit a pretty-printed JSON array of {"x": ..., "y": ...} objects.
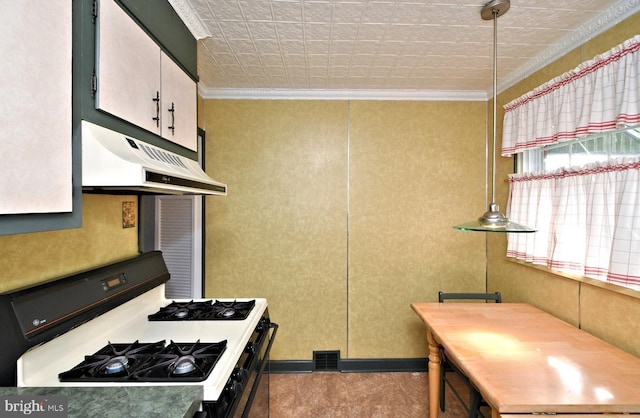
[{"x": 493, "y": 220}]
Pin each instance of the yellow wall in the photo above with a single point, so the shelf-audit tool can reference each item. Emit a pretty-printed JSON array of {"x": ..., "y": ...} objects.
[
  {"x": 341, "y": 214},
  {"x": 604, "y": 312},
  {"x": 29, "y": 259}
]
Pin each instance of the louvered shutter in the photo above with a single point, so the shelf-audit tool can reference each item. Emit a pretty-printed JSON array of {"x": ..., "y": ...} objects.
[{"x": 178, "y": 236}]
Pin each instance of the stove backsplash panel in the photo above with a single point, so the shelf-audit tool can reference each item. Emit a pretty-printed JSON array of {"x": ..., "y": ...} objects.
[{"x": 37, "y": 314}]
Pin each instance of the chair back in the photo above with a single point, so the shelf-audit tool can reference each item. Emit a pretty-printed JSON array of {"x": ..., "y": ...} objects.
[{"x": 496, "y": 297}]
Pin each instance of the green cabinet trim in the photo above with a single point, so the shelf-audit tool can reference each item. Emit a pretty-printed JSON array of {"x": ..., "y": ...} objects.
[{"x": 165, "y": 26}]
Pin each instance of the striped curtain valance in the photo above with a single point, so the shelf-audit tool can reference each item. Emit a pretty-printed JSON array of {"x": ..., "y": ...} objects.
[
  {"x": 588, "y": 220},
  {"x": 599, "y": 95}
]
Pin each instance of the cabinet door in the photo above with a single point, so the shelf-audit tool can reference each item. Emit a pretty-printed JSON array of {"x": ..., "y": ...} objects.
[
  {"x": 179, "y": 105},
  {"x": 35, "y": 107},
  {"x": 128, "y": 69}
]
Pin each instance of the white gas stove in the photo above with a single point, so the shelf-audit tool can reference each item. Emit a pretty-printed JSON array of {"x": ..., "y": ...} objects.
[{"x": 219, "y": 344}]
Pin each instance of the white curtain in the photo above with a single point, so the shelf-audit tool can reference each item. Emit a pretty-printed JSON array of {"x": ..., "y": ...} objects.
[
  {"x": 588, "y": 220},
  {"x": 598, "y": 95}
]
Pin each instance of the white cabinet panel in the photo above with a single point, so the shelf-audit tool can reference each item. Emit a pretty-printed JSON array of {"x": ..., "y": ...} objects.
[
  {"x": 179, "y": 92},
  {"x": 35, "y": 107},
  {"x": 133, "y": 71},
  {"x": 128, "y": 69}
]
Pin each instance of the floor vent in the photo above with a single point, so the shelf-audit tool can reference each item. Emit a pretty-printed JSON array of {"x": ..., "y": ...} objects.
[{"x": 326, "y": 361}]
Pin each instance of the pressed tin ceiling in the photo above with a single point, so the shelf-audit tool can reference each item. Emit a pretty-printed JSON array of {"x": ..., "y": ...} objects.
[{"x": 393, "y": 49}]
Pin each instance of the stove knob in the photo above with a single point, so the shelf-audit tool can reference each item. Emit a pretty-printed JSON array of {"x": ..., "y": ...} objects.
[
  {"x": 252, "y": 348},
  {"x": 240, "y": 375},
  {"x": 263, "y": 324},
  {"x": 236, "y": 389}
]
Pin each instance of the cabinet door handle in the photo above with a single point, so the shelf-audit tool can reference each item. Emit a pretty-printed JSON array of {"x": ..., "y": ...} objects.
[
  {"x": 172, "y": 110},
  {"x": 157, "y": 100}
]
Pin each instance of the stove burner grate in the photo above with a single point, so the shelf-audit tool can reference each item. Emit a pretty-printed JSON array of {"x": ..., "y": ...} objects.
[
  {"x": 146, "y": 362},
  {"x": 112, "y": 362},
  {"x": 232, "y": 310},
  {"x": 183, "y": 361},
  {"x": 204, "y": 311},
  {"x": 180, "y": 311}
]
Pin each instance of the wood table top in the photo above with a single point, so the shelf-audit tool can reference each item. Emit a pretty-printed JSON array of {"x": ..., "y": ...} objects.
[{"x": 524, "y": 360}]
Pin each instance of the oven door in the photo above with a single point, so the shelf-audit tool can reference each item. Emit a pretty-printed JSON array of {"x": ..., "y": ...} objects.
[
  {"x": 254, "y": 402},
  {"x": 247, "y": 391}
]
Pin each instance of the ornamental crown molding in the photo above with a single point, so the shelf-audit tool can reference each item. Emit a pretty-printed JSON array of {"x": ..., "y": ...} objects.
[
  {"x": 616, "y": 14},
  {"x": 190, "y": 19},
  {"x": 329, "y": 94}
]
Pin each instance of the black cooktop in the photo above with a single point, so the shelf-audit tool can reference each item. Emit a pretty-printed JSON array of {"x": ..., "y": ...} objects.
[
  {"x": 204, "y": 311},
  {"x": 148, "y": 362}
]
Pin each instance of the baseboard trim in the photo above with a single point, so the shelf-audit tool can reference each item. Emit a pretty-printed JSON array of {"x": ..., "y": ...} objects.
[
  {"x": 290, "y": 366},
  {"x": 353, "y": 365},
  {"x": 384, "y": 365}
]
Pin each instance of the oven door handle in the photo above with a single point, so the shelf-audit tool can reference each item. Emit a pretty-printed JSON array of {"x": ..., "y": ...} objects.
[
  {"x": 273, "y": 337},
  {"x": 252, "y": 393},
  {"x": 274, "y": 326}
]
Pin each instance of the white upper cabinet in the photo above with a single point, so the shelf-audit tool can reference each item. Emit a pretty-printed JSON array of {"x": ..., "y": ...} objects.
[
  {"x": 179, "y": 99},
  {"x": 35, "y": 107},
  {"x": 127, "y": 69},
  {"x": 137, "y": 82}
]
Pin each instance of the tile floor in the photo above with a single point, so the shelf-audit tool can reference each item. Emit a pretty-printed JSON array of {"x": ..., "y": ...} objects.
[{"x": 355, "y": 395}]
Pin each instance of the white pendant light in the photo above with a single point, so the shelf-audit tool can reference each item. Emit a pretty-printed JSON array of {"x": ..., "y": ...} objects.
[{"x": 493, "y": 220}]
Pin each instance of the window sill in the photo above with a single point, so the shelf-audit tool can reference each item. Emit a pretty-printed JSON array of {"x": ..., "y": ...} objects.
[{"x": 587, "y": 280}]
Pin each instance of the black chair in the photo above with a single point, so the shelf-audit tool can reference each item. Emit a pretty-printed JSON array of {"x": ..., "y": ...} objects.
[{"x": 448, "y": 366}]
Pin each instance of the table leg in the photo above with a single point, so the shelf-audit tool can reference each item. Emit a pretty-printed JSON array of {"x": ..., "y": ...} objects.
[{"x": 434, "y": 375}]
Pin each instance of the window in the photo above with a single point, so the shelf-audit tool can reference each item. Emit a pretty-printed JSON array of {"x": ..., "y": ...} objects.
[
  {"x": 596, "y": 148},
  {"x": 579, "y": 178},
  {"x": 583, "y": 196}
]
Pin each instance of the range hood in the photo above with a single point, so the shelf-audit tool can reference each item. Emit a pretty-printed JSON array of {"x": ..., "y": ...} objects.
[{"x": 114, "y": 162}]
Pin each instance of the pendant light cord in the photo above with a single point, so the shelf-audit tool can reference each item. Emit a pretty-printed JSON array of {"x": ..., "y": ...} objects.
[
  {"x": 492, "y": 220},
  {"x": 495, "y": 94}
]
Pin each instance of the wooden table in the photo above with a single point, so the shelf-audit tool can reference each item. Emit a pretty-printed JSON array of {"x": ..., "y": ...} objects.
[{"x": 525, "y": 361}]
